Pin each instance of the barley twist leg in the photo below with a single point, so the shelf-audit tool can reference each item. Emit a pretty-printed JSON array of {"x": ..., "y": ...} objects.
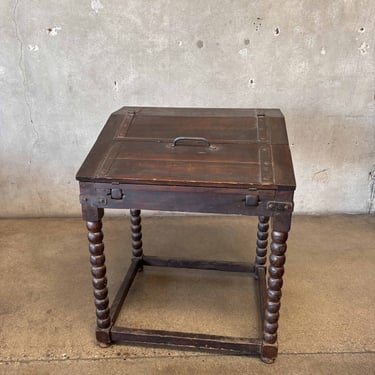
[
  {"x": 262, "y": 241},
  {"x": 275, "y": 282},
  {"x": 136, "y": 234},
  {"x": 99, "y": 281}
]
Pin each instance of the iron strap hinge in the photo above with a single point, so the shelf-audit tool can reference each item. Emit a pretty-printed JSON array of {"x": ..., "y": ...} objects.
[
  {"x": 104, "y": 197},
  {"x": 280, "y": 206},
  {"x": 93, "y": 200}
]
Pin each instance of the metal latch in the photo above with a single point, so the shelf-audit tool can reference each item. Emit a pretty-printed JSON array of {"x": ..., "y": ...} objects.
[
  {"x": 116, "y": 193},
  {"x": 280, "y": 206},
  {"x": 96, "y": 201},
  {"x": 252, "y": 200}
]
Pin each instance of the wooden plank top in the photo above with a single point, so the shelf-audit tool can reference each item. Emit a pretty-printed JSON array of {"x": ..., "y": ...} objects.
[{"x": 192, "y": 147}]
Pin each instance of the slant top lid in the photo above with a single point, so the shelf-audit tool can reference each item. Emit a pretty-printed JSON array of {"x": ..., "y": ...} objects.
[{"x": 192, "y": 146}]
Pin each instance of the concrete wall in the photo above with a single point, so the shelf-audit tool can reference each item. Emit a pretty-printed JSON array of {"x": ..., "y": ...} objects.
[{"x": 65, "y": 65}]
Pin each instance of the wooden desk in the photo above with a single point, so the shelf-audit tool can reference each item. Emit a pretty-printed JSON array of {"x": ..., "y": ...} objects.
[{"x": 226, "y": 161}]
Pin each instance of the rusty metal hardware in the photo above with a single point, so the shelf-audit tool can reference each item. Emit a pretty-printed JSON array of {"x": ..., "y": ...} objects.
[
  {"x": 193, "y": 139},
  {"x": 280, "y": 206},
  {"x": 198, "y": 140},
  {"x": 103, "y": 198},
  {"x": 92, "y": 200},
  {"x": 252, "y": 200},
  {"x": 116, "y": 193}
]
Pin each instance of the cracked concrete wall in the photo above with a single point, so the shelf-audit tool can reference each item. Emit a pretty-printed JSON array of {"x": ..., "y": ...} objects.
[{"x": 65, "y": 65}]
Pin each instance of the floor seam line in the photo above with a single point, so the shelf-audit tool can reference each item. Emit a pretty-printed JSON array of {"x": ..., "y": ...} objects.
[
  {"x": 328, "y": 353},
  {"x": 119, "y": 358}
]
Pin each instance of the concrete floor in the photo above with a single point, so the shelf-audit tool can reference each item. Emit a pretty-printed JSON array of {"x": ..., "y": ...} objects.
[{"x": 47, "y": 314}]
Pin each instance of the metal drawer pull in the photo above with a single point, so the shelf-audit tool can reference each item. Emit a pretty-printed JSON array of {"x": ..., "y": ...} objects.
[{"x": 194, "y": 139}]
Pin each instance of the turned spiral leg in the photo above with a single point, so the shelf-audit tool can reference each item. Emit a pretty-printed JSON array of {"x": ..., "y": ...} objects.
[
  {"x": 275, "y": 282},
  {"x": 262, "y": 241},
  {"x": 98, "y": 271},
  {"x": 136, "y": 233}
]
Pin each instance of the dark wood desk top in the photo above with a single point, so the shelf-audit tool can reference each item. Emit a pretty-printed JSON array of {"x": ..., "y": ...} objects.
[{"x": 246, "y": 148}]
